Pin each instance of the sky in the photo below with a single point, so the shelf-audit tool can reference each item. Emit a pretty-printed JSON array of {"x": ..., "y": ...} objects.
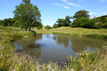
[{"x": 51, "y": 10}]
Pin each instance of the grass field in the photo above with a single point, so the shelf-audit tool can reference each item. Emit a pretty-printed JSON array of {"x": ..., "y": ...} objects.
[
  {"x": 96, "y": 33},
  {"x": 13, "y": 61}
]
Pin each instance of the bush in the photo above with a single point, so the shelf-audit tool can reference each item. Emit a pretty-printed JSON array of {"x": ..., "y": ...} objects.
[
  {"x": 93, "y": 24},
  {"x": 105, "y": 25},
  {"x": 47, "y": 27},
  {"x": 15, "y": 25},
  {"x": 89, "y": 24},
  {"x": 55, "y": 26},
  {"x": 75, "y": 23},
  {"x": 97, "y": 25},
  {"x": 79, "y": 22}
]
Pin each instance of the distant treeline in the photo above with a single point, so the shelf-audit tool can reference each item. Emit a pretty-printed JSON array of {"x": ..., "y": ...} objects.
[
  {"x": 15, "y": 23},
  {"x": 82, "y": 19}
]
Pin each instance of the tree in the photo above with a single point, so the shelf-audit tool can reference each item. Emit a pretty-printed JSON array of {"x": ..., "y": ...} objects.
[
  {"x": 26, "y": 1},
  {"x": 60, "y": 22},
  {"x": 47, "y": 27},
  {"x": 1, "y": 22},
  {"x": 81, "y": 13},
  {"x": 55, "y": 25},
  {"x": 64, "y": 22},
  {"x": 38, "y": 25},
  {"x": 8, "y": 22},
  {"x": 67, "y": 21},
  {"x": 79, "y": 22},
  {"x": 27, "y": 14}
]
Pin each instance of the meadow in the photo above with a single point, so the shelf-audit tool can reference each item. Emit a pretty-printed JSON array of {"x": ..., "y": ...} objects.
[
  {"x": 13, "y": 61},
  {"x": 95, "y": 33}
]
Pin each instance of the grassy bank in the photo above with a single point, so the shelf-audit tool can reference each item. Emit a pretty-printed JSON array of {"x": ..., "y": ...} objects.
[
  {"x": 12, "y": 61},
  {"x": 95, "y": 33}
]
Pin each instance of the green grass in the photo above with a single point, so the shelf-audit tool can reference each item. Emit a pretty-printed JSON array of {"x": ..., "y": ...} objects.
[
  {"x": 95, "y": 33},
  {"x": 12, "y": 61}
]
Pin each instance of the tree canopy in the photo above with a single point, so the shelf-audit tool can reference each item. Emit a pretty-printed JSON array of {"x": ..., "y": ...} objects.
[
  {"x": 81, "y": 13},
  {"x": 48, "y": 27},
  {"x": 27, "y": 14},
  {"x": 62, "y": 22}
]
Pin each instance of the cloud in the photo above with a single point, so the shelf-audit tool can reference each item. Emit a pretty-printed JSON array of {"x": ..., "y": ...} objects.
[
  {"x": 92, "y": 13},
  {"x": 64, "y": 6},
  {"x": 69, "y": 3}
]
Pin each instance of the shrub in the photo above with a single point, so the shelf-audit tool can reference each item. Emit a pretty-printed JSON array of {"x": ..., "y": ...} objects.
[
  {"x": 55, "y": 26},
  {"x": 79, "y": 22},
  {"x": 47, "y": 27},
  {"x": 15, "y": 25},
  {"x": 105, "y": 25},
  {"x": 89, "y": 24},
  {"x": 93, "y": 24},
  {"x": 97, "y": 25}
]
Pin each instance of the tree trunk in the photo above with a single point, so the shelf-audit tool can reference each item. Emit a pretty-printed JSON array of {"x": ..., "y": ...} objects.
[
  {"x": 25, "y": 28},
  {"x": 29, "y": 28}
]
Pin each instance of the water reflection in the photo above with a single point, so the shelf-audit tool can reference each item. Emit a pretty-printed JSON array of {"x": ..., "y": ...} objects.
[
  {"x": 29, "y": 46},
  {"x": 88, "y": 44},
  {"x": 55, "y": 48},
  {"x": 62, "y": 39}
]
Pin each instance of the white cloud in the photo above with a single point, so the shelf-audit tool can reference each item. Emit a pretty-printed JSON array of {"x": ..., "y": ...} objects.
[
  {"x": 92, "y": 13},
  {"x": 61, "y": 5},
  {"x": 69, "y": 3},
  {"x": 66, "y": 7}
]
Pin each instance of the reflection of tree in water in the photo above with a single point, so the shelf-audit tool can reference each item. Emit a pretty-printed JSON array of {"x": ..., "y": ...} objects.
[
  {"x": 48, "y": 35},
  {"x": 30, "y": 46},
  {"x": 62, "y": 39},
  {"x": 82, "y": 43}
]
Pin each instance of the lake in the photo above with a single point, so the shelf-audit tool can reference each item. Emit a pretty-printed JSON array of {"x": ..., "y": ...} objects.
[{"x": 56, "y": 47}]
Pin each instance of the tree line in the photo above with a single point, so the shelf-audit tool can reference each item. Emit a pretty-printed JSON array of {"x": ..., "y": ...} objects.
[{"x": 82, "y": 19}]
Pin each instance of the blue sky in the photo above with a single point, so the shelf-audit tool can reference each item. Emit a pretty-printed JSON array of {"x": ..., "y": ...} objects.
[{"x": 51, "y": 10}]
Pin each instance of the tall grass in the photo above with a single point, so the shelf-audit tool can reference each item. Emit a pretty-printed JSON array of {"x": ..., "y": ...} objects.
[
  {"x": 93, "y": 33},
  {"x": 12, "y": 61}
]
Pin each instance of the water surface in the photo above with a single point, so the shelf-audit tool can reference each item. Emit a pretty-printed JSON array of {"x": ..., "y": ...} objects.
[{"x": 56, "y": 47}]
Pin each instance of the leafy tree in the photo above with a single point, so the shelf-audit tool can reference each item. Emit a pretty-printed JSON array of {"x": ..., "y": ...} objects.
[
  {"x": 55, "y": 25},
  {"x": 27, "y": 14},
  {"x": 64, "y": 22},
  {"x": 105, "y": 25},
  {"x": 1, "y": 22},
  {"x": 8, "y": 22},
  {"x": 81, "y": 13},
  {"x": 60, "y": 22},
  {"x": 89, "y": 24},
  {"x": 92, "y": 24},
  {"x": 75, "y": 23},
  {"x": 15, "y": 25},
  {"x": 38, "y": 25},
  {"x": 26, "y": 1},
  {"x": 67, "y": 21},
  {"x": 79, "y": 22},
  {"x": 47, "y": 27}
]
